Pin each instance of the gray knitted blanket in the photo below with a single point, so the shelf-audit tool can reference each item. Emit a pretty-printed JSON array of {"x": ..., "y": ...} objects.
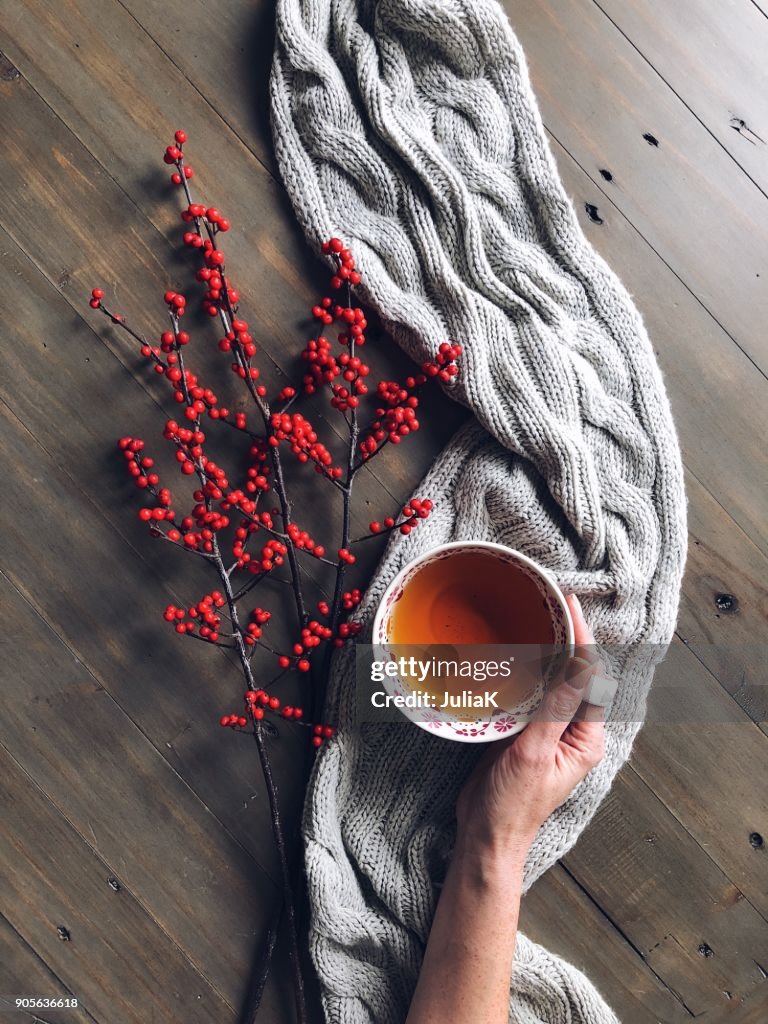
[{"x": 408, "y": 128}]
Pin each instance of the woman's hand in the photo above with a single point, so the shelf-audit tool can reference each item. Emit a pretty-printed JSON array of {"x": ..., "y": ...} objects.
[
  {"x": 518, "y": 784},
  {"x": 515, "y": 787}
]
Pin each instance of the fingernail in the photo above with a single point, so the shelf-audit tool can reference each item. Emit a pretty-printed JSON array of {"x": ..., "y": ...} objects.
[
  {"x": 577, "y": 602},
  {"x": 577, "y": 673}
]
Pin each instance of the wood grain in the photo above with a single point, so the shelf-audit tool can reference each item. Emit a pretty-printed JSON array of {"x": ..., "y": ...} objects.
[
  {"x": 102, "y": 535},
  {"x": 711, "y": 55},
  {"x": 716, "y": 393},
  {"x": 24, "y": 973},
  {"x": 274, "y": 276},
  {"x": 683, "y": 195},
  {"x": 558, "y": 913},
  {"x": 702, "y": 756},
  {"x": 112, "y": 784},
  {"x": 646, "y": 873},
  {"x": 724, "y": 604},
  {"x": 111, "y": 950},
  {"x": 753, "y": 1011},
  {"x": 110, "y": 722}
]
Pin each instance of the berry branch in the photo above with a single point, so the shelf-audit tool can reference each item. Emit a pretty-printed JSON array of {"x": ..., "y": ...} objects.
[{"x": 265, "y": 544}]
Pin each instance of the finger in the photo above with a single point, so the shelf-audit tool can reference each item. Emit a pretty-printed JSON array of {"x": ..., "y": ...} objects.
[
  {"x": 581, "y": 669},
  {"x": 582, "y": 632},
  {"x": 585, "y": 740},
  {"x": 591, "y": 714},
  {"x": 559, "y": 706},
  {"x": 602, "y": 689}
]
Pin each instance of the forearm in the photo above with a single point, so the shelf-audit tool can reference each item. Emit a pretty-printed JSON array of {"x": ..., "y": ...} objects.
[{"x": 467, "y": 966}]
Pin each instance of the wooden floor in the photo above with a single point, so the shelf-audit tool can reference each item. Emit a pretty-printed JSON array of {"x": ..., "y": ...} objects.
[{"x": 136, "y": 868}]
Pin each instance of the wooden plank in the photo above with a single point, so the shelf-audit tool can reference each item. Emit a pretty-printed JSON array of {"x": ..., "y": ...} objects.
[
  {"x": 707, "y": 762},
  {"x": 718, "y": 397},
  {"x": 557, "y": 913},
  {"x": 674, "y": 317},
  {"x": 24, "y": 973},
  {"x": 283, "y": 297},
  {"x": 28, "y": 300},
  {"x": 46, "y": 237},
  {"x": 712, "y": 56},
  {"x": 684, "y": 202},
  {"x": 674, "y": 905},
  {"x": 150, "y": 163},
  {"x": 100, "y": 770},
  {"x": 91, "y": 546},
  {"x": 233, "y": 73},
  {"x": 753, "y": 1011},
  {"x": 724, "y": 603},
  {"x": 114, "y": 956},
  {"x": 707, "y": 349},
  {"x": 706, "y": 218},
  {"x": 723, "y": 559}
]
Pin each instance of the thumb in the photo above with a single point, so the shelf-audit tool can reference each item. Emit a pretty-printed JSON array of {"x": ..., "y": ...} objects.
[{"x": 559, "y": 707}]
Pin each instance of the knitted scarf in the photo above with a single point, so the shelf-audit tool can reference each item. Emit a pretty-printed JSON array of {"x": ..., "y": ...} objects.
[{"x": 408, "y": 128}]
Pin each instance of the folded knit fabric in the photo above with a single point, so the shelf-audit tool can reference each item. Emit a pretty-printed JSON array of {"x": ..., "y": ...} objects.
[{"x": 408, "y": 128}]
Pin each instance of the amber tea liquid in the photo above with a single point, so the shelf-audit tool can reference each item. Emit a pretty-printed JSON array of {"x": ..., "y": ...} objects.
[{"x": 472, "y": 597}]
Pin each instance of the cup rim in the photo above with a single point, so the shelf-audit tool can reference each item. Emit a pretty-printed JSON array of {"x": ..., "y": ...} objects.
[{"x": 469, "y": 735}]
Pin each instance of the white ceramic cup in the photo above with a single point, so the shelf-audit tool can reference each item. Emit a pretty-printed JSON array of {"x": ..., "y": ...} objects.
[{"x": 501, "y": 722}]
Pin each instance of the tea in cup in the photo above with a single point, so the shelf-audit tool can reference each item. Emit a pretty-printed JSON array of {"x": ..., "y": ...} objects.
[{"x": 451, "y": 610}]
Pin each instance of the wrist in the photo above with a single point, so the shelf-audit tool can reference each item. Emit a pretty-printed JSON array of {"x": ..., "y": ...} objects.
[{"x": 489, "y": 861}]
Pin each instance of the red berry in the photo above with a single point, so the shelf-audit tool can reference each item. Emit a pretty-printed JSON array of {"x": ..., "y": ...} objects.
[{"x": 181, "y": 137}]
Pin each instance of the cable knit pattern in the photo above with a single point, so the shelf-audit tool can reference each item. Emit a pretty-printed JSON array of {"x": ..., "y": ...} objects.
[{"x": 408, "y": 128}]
